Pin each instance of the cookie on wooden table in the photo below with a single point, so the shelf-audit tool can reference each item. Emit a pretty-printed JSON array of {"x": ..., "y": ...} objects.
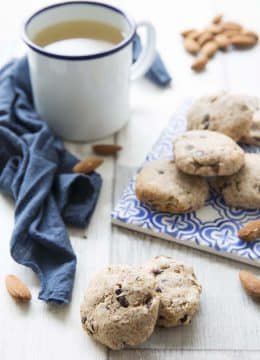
[
  {"x": 223, "y": 112},
  {"x": 242, "y": 189},
  {"x": 207, "y": 153},
  {"x": 165, "y": 188},
  {"x": 178, "y": 289},
  {"x": 120, "y": 307}
]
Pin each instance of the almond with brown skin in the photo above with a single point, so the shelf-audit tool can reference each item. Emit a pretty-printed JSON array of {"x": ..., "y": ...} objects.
[
  {"x": 194, "y": 35},
  {"x": 17, "y": 288},
  {"x": 222, "y": 41},
  {"x": 217, "y": 19},
  {"x": 191, "y": 45},
  {"x": 250, "y": 231},
  {"x": 209, "y": 49},
  {"x": 250, "y": 283},
  {"x": 106, "y": 149},
  {"x": 231, "y": 25},
  {"x": 231, "y": 33},
  {"x": 199, "y": 63},
  {"x": 204, "y": 37},
  {"x": 88, "y": 165},
  {"x": 250, "y": 33},
  {"x": 243, "y": 41},
  {"x": 187, "y": 32}
]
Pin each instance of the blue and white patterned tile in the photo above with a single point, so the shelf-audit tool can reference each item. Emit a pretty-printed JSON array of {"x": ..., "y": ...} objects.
[{"x": 213, "y": 228}]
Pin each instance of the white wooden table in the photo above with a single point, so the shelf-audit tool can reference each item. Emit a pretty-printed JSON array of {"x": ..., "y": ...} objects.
[{"x": 228, "y": 324}]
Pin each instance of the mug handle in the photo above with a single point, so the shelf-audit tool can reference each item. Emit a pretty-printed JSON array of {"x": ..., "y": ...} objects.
[{"x": 147, "y": 55}]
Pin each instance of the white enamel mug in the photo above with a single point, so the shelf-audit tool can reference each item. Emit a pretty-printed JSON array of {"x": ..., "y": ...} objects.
[{"x": 85, "y": 97}]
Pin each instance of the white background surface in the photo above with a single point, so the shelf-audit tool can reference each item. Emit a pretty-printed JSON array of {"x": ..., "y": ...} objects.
[{"x": 227, "y": 326}]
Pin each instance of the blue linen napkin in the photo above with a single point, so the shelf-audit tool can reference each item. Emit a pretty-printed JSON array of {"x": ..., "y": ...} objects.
[
  {"x": 157, "y": 73},
  {"x": 35, "y": 170}
]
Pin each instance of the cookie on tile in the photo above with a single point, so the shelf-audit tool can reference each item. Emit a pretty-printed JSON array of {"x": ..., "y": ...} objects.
[
  {"x": 120, "y": 307},
  {"x": 178, "y": 289},
  {"x": 161, "y": 185},
  {"x": 207, "y": 153},
  {"x": 223, "y": 112},
  {"x": 242, "y": 189},
  {"x": 253, "y": 137}
]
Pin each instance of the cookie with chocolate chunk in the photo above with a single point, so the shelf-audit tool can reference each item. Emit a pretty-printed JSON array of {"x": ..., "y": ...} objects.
[
  {"x": 161, "y": 185},
  {"x": 207, "y": 153},
  {"x": 223, "y": 112},
  {"x": 120, "y": 307},
  {"x": 242, "y": 189},
  {"x": 177, "y": 288}
]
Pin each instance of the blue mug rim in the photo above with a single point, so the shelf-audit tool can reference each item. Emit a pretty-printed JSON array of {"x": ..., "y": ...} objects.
[{"x": 111, "y": 51}]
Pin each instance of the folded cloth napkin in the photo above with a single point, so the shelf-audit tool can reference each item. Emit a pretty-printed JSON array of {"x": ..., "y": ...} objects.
[
  {"x": 35, "y": 170},
  {"x": 157, "y": 73}
]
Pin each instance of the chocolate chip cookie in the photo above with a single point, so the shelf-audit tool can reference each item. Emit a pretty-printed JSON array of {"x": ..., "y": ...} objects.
[
  {"x": 242, "y": 189},
  {"x": 120, "y": 307},
  {"x": 207, "y": 153},
  {"x": 223, "y": 112},
  {"x": 178, "y": 289},
  {"x": 165, "y": 188}
]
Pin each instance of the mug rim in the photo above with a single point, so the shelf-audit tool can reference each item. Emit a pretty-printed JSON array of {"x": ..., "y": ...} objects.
[{"x": 111, "y": 51}]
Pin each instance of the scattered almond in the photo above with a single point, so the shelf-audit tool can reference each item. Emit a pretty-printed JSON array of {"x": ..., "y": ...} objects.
[
  {"x": 222, "y": 41},
  {"x": 199, "y": 63},
  {"x": 251, "y": 231},
  {"x": 209, "y": 49},
  {"x": 88, "y": 165},
  {"x": 106, "y": 149},
  {"x": 250, "y": 283},
  {"x": 217, "y": 19},
  {"x": 17, "y": 289},
  {"x": 187, "y": 32},
  {"x": 204, "y": 37},
  {"x": 191, "y": 45},
  {"x": 231, "y": 25},
  {"x": 243, "y": 41}
]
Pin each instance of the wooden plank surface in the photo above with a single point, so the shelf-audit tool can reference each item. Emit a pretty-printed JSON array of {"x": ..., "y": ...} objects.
[{"x": 227, "y": 326}]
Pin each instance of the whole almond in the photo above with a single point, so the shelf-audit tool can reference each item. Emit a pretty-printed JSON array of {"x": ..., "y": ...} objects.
[
  {"x": 204, "y": 37},
  {"x": 191, "y": 45},
  {"x": 250, "y": 283},
  {"x": 222, "y": 41},
  {"x": 250, "y": 231},
  {"x": 17, "y": 288},
  {"x": 214, "y": 29},
  {"x": 231, "y": 25},
  {"x": 243, "y": 41},
  {"x": 231, "y": 33},
  {"x": 217, "y": 19},
  {"x": 199, "y": 63},
  {"x": 209, "y": 49},
  {"x": 250, "y": 33},
  {"x": 187, "y": 32},
  {"x": 106, "y": 149},
  {"x": 88, "y": 165}
]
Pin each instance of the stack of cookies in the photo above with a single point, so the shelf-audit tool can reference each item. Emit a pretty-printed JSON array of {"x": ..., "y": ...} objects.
[
  {"x": 123, "y": 304},
  {"x": 208, "y": 155}
]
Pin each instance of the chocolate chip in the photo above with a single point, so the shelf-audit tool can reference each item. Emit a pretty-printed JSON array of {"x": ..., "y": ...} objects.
[
  {"x": 160, "y": 172},
  {"x": 184, "y": 318},
  {"x": 205, "y": 121},
  {"x": 85, "y": 237},
  {"x": 158, "y": 289},
  {"x": 83, "y": 319},
  {"x": 156, "y": 272},
  {"x": 118, "y": 291},
  {"x": 123, "y": 301},
  {"x": 161, "y": 317},
  {"x": 148, "y": 301},
  {"x": 189, "y": 147}
]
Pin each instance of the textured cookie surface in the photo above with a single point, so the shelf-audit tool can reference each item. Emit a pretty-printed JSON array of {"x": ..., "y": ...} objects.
[
  {"x": 178, "y": 289},
  {"x": 120, "y": 307},
  {"x": 223, "y": 112},
  {"x": 207, "y": 153},
  {"x": 243, "y": 188},
  {"x": 253, "y": 137},
  {"x": 165, "y": 188}
]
